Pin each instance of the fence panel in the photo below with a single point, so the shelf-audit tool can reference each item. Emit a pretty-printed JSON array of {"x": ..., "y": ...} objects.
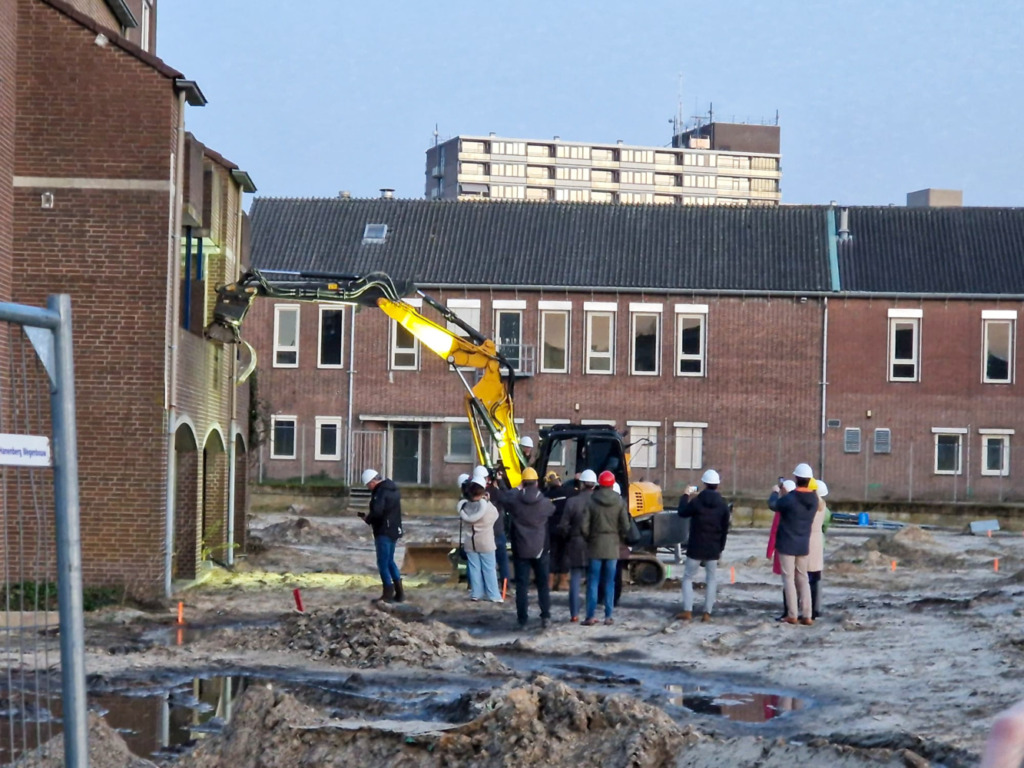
[{"x": 39, "y": 534}]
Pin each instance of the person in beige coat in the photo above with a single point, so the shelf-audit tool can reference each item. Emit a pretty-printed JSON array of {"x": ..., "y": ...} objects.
[
  {"x": 816, "y": 555},
  {"x": 478, "y": 511}
]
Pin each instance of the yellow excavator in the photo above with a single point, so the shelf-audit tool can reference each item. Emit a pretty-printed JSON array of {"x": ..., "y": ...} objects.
[{"x": 489, "y": 407}]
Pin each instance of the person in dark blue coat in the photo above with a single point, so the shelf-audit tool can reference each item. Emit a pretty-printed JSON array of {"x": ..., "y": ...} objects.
[
  {"x": 709, "y": 527},
  {"x": 793, "y": 543},
  {"x": 385, "y": 518}
]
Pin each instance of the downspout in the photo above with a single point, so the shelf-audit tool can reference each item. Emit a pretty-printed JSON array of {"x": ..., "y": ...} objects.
[
  {"x": 351, "y": 385},
  {"x": 170, "y": 402},
  {"x": 835, "y": 285},
  {"x": 233, "y": 402}
]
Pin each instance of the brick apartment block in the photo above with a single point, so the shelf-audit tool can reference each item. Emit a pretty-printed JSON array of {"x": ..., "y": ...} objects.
[
  {"x": 748, "y": 395},
  {"x": 109, "y": 194}
]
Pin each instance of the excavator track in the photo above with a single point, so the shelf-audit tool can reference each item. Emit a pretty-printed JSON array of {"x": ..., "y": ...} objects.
[{"x": 646, "y": 570}]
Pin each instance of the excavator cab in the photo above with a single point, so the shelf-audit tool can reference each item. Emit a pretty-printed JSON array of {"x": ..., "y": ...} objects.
[{"x": 568, "y": 449}]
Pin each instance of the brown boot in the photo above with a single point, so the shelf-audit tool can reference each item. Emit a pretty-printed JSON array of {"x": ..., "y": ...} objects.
[
  {"x": 388, "y": 596},
  {"x": 706, "y": 617},
  {"x": 807, "y": 622},
  {"x": 684, "y": 615},
  {"x": 563, "y": 582},
  {"x": 399, "y": 592}
]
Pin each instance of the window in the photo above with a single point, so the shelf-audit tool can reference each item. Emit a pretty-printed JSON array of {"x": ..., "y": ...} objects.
[
  {"x": 883, "y": 441},
  {"x": 636, "y": 177},
  {"x": 601, "y": 197},
  {"x": 904, "y": 344},
  {"x": 645, "y": 355},
  {"x": 667, "y": 180},
  {"x": 467, "y": 310},
  {"x": 554, "y": 336},
  {"x": 637, "y": 155},
  {"x": 690, "y": 339},
  {"x": 602, "y": 177},
  {"x": 999, "y": 340},
  {"x": 473, "y": 169},
  {"x": 689, "y": 444},
  {"x": 665, "y": 158},
  {"x": 282, "y": 437},
  {"x": 556, "y": 458},
  {"x": 508, "y": 191},
  {"x": 571, "y": 152},
  {"x": 328, "y": 438},
  {"x": 636, "y": 197},
  {"x": 764, "y": 163},
  {"x": 948, "y": 444},
  {"x": 508, "y": 330},
  {"x": 851, "y": 440},
  {"x": 572, "y": 195},
  {"x": 573, "y": 174},
  {"x": 147, "y": 11},
  {"x": 600, "y": 337},
  {"x": 643, "y": 444},
  {"x": 476, "y": 147},
  {"x": 538, "y": 150},
  {"x": 405, "y": 349},
  {"x": 508, "y": 147},
  {"x": 508, "y": 169},
  {"x": 604, "y": 155},
  {"x": 286, "y": 336},
  {"x": 332, "y": 333},
  {"x": 538, "y": 193},
  {"x": 995, "y": 452},
  {"x": 460, "y": 444},
  {"x": 375, "y": 234}
]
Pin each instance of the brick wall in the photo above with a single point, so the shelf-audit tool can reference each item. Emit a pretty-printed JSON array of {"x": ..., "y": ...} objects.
[{"x": 8, "y": 68}]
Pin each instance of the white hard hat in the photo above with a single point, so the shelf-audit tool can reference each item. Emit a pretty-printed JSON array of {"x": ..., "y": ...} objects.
[
  {"x": 710, "y": 477},
  {"x": 788, "y": 485},
  {"x": 462, "y": 479},
  {"x": 368, "y": 475},
  {"x": 822, "y": 489},
  {"x": 588, "y": 476},
  {"x": 480, "y": 478},
  {"x": 803, "y": 471},
  {"x": 617, "y": 488},
  {"x": 480, "y": 468},
  {"x": 526, "y": 441}
]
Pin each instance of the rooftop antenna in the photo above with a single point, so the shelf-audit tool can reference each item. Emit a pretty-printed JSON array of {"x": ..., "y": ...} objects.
[{"x": 436, "y": 135}]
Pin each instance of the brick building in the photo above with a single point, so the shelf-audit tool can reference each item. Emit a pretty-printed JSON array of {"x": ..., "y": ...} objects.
[
  {"x": 744, "y": 340},
  {"x": 107, "y": 198}
]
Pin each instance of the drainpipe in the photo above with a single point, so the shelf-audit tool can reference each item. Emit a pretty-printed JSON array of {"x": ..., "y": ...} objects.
[
  {"x": 351, "y": 385},
  {"x": 824, "y": 387},
  {"x": 173, "y": 280}
]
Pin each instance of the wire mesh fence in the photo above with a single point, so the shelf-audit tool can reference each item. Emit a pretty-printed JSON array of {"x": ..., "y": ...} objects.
[{"x": 40, "y": 560}]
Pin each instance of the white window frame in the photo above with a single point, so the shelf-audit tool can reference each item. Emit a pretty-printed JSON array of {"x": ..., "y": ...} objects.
[
  {"x": 392, "y": 341},
  {"x": 452, "y": 458},
  {"x": 637, "y": 310},
  {"x": 691, "y": 311},
  {"x": 273, "y": 428},
  {"x": 459, "y": 307},
  {"x": 897, "y": 317},
  {"x": 958, "y": 433},
  {"x": 990, "y": 317},
  {"x": 147, "y": 15},
  {"x": 547, "y": 308},
  {"x": 995, "y": 434},
  {"x": 501, "y": 307},
  {"x": 340, "y": 308},
  {"x": 280, "y": 309},
  {"x": 696, "y": 441},
  {"x": 643, "y": 456},
  {"x": 607, "y": 310},
  {"x": 318, "y": 454}
]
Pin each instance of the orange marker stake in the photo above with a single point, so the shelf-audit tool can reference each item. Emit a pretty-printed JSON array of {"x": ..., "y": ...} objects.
[
  {"x": 894, "y": 566},
  {"x": 732, "y": 575},
  {"x": 989, "y": 534},
  {"x": 298, "y": 600},
  {"x": 995, "y": 565},
  {"x": 181, "y": 636},
  {"x": 504, "y": 588},
  {"x": 181, "y": 612}
]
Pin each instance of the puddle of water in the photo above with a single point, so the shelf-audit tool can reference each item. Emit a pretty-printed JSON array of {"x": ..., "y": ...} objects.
[{"x": 746, "y": 707}]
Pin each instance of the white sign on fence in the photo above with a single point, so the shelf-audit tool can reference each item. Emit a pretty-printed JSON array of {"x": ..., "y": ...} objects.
[{"x": 25, "y": 450}]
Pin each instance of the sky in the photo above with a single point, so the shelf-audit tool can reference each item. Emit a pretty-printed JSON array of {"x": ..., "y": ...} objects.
[{"x": 875, "y": 99}]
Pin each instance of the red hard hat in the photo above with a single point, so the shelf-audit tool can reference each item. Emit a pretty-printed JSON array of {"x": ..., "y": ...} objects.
[{"x": 606, "y": 479}]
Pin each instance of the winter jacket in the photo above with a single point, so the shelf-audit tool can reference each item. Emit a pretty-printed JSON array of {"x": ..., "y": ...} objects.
[
  {"x": 605, "y": 525},
  {"x": 571, "y": 529},
  {"x": 772, "y": 552},
  {"x": 709, "y": 525},
  {"x": 796, "y": 516},
  {"x": 528, "y": 511},
  {"x": 816, "y": 555},
  {"x": 481, "y": 515},
  {"x": 385, "y": 515}
]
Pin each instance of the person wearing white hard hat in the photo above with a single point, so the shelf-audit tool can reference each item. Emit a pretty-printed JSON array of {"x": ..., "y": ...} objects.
[
  {"x": 793, "y": 542},
  {"x": 526, "y": 446},
  {"x": 816, "y": 556},
  {"x": 570, "y": 528},
  {"x": 786, "y": 486},
  {"x": 708, "y": 514},
  {"x": 385, "y": 518},
  {"x": 481, "y": 515}
]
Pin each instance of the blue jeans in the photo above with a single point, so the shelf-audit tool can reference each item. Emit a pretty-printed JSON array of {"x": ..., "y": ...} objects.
[
  {"x": 602, "y": 571},
  {"x": 386, "y": 567},
  {"x": 501, "y": 556},
  {"x": 575, "y": 578},
  {"x": 482, "y": 576}
]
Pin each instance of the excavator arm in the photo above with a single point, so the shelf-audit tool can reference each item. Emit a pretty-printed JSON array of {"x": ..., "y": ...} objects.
[{"x": 488, "y": 401}]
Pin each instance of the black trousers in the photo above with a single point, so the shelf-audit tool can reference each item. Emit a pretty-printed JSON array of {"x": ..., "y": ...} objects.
[{"x": 540, "y": 568}]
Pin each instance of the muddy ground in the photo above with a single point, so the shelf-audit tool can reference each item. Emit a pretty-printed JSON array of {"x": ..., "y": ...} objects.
[{"x": 907, "y": 667}]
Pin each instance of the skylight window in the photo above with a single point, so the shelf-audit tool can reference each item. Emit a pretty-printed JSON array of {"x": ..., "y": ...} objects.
[{"x": 374, "y": 233}]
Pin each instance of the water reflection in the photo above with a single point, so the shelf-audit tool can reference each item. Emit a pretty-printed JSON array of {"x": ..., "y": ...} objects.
[{"x": 748, "y": 707}]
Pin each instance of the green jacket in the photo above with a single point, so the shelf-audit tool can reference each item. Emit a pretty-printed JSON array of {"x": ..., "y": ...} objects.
[{"x": 605, "y": 524}]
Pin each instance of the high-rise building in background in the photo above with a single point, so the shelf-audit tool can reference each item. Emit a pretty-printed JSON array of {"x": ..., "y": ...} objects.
[{"x": 713, "y": 164}]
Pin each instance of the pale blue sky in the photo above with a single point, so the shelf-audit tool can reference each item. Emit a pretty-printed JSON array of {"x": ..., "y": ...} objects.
[{"x": 875, "y": 99}]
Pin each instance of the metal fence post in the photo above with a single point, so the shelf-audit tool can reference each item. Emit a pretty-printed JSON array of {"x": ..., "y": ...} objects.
[{"x": 69, "y": 544}]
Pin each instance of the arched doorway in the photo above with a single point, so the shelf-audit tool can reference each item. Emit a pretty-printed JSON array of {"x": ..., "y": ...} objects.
[
  {"x": 214, "y": 523},
  {"x": 186, "y": 504}
]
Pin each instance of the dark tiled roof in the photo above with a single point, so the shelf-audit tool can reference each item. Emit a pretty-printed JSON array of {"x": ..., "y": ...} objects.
[
  {"x": 934, "y": 250},
  {"x": 549, "y": 244}
]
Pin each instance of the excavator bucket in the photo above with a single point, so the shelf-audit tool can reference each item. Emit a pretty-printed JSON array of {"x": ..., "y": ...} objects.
[{"x": 438, "y": 556}]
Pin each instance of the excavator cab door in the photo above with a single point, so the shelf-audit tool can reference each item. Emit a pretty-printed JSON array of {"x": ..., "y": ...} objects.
[{"x": 571, "y": 448}]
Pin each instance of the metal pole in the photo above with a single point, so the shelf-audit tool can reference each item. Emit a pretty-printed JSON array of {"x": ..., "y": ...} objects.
[
  {"x": 351, "y": 384},
  {"x": 69, "y": 544},
  {"x": 302, "y": 454}
]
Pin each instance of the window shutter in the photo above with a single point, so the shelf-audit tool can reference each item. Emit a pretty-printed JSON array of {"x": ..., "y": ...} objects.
[
  {"x": 883, "y": 441},
  {"x": 851, "y": 440}
]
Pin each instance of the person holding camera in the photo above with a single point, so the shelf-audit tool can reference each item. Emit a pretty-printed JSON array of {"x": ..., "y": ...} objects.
[
  {"x": 385, "y": 518},
  {"x": 709, "y": 528},
  {"x": 793, "y": 542}
]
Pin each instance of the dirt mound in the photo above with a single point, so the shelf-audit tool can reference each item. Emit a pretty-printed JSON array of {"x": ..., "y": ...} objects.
[
  {"x": 106, "y": 750},
  {"x": 909, "y": 546},
  {"x": 543, "y": 723},
  {"x": 302, "y": 531},
  {"x": 370, "y": 637}
]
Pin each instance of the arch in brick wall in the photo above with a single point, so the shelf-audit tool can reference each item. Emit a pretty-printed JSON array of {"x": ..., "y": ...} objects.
[
  {"x": 186, "y": 501},
  {"x": 215, "y": 432},
  {"x": 215, "y": 516}
]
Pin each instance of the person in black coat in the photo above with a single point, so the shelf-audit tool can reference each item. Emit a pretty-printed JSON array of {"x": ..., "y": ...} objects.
[
  {"x": 385, "y": 518},
  {"x": 529, "y": 511},
  {"x": 709, "y": 527},
  {"x": 793, "y": 542}
]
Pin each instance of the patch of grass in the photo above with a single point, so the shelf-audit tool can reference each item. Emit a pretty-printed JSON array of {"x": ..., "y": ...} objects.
[{"x": 42, "y": 596}]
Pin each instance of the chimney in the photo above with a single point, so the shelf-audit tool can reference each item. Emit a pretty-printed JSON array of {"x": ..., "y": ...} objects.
[
  {"x": 844, "y": 224},
  {"x": 386, "y": 193},
  {"x": 345, "y": 195},
  {"x": 935, "y": 198}
]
